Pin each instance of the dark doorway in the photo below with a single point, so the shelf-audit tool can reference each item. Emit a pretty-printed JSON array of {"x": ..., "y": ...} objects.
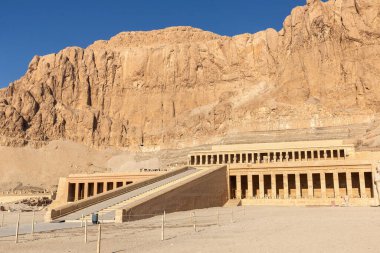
[
  {"x": 100, "y": 187},
  {"x": 244, "y": 187},
  {"x": 232, "y": 187},
  {"x": 71, "y": 193}
]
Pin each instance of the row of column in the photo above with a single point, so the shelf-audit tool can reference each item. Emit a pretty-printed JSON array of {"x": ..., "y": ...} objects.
[
  {"x": 310, "y": 189},
  {"x": 266, "y": 157},
  {"x": 81, "y": 190}
]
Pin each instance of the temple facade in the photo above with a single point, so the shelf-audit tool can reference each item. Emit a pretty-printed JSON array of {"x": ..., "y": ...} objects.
[
  {"x": 330, "y": 172},
  {"x": 294, "y": 173},
  {"x": 77, "y": 187}
]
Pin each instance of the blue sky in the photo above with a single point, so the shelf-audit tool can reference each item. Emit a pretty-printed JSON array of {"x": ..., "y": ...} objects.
[{"x": 40, "y": 27}]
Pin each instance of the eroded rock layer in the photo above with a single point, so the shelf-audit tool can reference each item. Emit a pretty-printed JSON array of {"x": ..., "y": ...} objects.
[{"x": 182, "y": 86}]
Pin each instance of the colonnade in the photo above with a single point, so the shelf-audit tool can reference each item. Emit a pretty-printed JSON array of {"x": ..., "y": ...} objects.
[
  {"x": 203, "y": 158},
  {"x": 82, "y": 190},
  {"x": 322, "y": 184}
]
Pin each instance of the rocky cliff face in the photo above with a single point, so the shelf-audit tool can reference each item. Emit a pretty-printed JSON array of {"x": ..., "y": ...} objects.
[{"x": 182, "y": 86}]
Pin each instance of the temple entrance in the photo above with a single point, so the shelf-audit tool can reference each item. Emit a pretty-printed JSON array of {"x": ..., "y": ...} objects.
[
  {"x": 100, "y": 187},
  {"x": 292, "y": 186},
  {"x": 330, "y": 185},
  {"x": 80, "y": 191},
  {"x": 267, "y": 186},
  {"x": 304, "y": 185},
  {"x": 317, "y": 185},
  {"x": 244, "y": 187},
  {"x": 256, "y": 186},
  {"x": 71, "y": 193},
  {"x": 232, "y": 187},
  {"x": 90, "y": 191},
  {"x": 342, "y": 184},
  {"x": 280, "y": 186},
  {"x": 355, "y": 185}
]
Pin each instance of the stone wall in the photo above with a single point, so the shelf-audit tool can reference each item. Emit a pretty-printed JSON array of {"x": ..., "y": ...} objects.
[{"x": 210, "y": 190}]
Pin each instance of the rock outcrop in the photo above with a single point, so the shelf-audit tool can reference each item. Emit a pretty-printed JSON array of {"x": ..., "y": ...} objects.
[{"x": 182, "y": 86}]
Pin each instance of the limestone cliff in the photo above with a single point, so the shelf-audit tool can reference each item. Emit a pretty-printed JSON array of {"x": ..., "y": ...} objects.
[{"x": 182, "y": 86}]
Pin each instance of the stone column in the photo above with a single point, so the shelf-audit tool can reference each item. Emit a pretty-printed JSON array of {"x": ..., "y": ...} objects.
[
  {"x": 298, "y": 185},
  {"x": 273, "y": 179},
  {"x": 76, "y": 192},
  {"x": 85, "y": 195},
  {"x": 349, "y": 183},
  {"x": 250, "y": 190},
  {"x": 96, "y": 188},
  {"x": 362, "y": 185},
  {"x": 238, "y": 186},
  {"x": 323, "y": 185},
  {"x": 286, "y": 186},
  {"x": 310, "y": 189},
  {"x": 336, "y": 185},
  {"x": 261, "y": 185}
]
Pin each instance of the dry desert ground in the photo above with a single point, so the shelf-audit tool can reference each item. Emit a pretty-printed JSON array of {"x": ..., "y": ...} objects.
[{"x": 253, "y": 229}]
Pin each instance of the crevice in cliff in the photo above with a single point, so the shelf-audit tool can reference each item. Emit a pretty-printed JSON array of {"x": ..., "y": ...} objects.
[
  {"x": 89, "y": 99},
  {"x": 356, "y": 7},
  {"x": 173, "y": 107}
]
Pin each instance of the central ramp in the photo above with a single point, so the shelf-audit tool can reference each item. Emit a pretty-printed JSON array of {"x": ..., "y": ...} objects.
[{"x": 106, "y": 204}]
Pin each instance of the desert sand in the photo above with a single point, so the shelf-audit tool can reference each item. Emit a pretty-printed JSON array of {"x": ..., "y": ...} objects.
[{"x": 260, "y": 229}]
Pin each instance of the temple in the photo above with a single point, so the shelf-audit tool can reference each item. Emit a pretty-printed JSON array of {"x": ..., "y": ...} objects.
[
  {"x": 328, "y": 172},
  {"x": 77, "y": 187},
  {"x": 290, "y": 173}
]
